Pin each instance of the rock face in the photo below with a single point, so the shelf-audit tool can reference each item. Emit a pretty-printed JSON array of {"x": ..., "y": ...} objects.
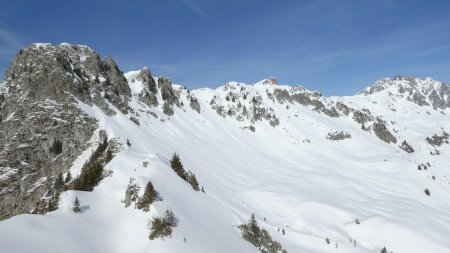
[
  {"x": 383, "y": 133},
  {"x": 48, "y": 71},
  {"x": 38, "y": 112}
]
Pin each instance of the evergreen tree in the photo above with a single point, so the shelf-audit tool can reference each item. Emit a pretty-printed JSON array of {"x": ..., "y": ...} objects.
[
  {"x": 384, "y": 250},
  {"x": 193, "y": 182},
  {"x": 53, "y": 202},
  {"x": 76, "y": 205},
  {"x": 177, "y": 166},
  {"x": 59, "y": 182},
  {"x": 162, "y": 227},
  {"x": 148, "y": 198},
  {"x": 68, "y": 177},
  {"x": 128, "y": 143}
]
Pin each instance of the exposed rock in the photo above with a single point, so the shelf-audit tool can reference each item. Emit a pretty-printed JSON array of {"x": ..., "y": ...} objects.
[
  {"x": 72, "y": 69},
  {"x": 167, "y": 108},
  {"x": 26, "y": 155},
  {"x": 338, "y": 135},
  {"x": 344, "y": 108},
  {"x": 167, "y": 93},
  {"x": 149, "y": 91},
  {"x": 383, "y": 133},
  {"x": 193, "y": 103},
  {"x": 438, "y": 140},
  {"x": 282, "y": 96},
  {"x": 362, "y": 117}
]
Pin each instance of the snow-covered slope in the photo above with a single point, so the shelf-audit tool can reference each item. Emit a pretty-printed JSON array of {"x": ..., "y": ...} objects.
[{"x": 362, "y": 193}]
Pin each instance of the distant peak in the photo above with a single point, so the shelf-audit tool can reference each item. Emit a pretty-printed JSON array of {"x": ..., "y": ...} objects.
[
  {"x": 268, "y": 81},
  {"x": 421, "y": 91}
]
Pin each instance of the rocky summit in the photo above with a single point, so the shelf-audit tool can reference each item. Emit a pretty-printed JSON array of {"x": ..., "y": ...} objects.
[{"x": 134, "y": 163}]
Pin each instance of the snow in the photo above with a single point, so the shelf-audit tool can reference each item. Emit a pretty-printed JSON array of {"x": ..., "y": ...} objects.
[{"x": 313, "y": 190}]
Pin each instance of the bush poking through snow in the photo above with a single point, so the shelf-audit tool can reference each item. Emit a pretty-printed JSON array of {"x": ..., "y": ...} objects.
[
  {"x": 76, "y": 205},
  {"x": 177, "y": 166},
  {"x": 260, "y": 238},
  {"x": 162, "y": 227},
  {"x": 427, "y": 192},
  {"x": 406, "y": 147},
  {"x": 148, "y": 198}
]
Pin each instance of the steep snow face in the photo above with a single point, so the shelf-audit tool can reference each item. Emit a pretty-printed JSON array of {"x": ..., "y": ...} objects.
[{"x": 361, "y": 193}]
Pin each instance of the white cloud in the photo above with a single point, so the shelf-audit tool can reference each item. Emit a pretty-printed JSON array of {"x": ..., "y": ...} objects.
[{"x": 195, "y": 6}]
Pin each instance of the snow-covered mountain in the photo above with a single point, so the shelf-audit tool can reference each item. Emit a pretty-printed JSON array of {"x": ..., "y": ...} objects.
[{"x": 321, "y": 174}]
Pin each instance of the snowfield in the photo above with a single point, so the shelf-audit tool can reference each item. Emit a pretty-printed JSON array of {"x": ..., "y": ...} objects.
[{"x": 290, "y": 176}]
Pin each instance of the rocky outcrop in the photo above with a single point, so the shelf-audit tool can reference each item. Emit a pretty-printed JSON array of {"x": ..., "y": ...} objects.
[
  {"x": 149, "y": 89},
  {"x": 438, "y": 140},
  {"x": 48, "y": 71},
  {"x": 42, "y": 130},
  {"x": 381, "y": 131},
  {"x": 338, "y": 135},
  {"x": 29, "y": 161}
]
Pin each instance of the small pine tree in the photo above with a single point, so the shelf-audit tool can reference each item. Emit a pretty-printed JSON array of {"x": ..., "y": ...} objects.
[
  {"x": 53, "y": 202},
  {"x": 283, "y": 232},
  {"x": 162, "y": 227},
  {"x": 128, "y": 143},
  {"x": 59, "y": 182},
  {"x": 148, "y": 198},
  {"x": 427, "y": 192},
  {"x": 194, "y": 183},
  {"x": 76, "y": 205},
  {"x": 177, "y": 166},
  {"x": 384, "y": 250},
  {"x": 68, "y": 177}
]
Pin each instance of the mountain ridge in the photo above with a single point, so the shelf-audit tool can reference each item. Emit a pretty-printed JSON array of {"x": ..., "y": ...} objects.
[{"x": 323, "y": 169}]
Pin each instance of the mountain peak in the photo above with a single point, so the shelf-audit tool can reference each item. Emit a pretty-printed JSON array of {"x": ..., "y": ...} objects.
[
  {"x": 422, "y": 91},
  {"x": 268, "y": 81}
]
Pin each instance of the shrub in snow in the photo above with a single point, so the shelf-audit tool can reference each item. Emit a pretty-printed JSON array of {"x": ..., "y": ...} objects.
[
  {"x": 384, "y": 250},
  {"x": 162, "y": 226},
  {"x": 427, "y": 192},
  {"x": 177, "y": 166},
  {"x": 406, "y": 147},
  {"x": 260, "y": 238},
  {"x": 76, "y": 205},
  {"x": 148, "y": 198}
]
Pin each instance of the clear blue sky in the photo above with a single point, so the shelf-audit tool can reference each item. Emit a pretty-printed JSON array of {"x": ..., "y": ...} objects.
[{"x": 336, "y": 47}]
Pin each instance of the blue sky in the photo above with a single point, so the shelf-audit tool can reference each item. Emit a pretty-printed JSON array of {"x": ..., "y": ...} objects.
[{"x": 336, "y": 47}]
